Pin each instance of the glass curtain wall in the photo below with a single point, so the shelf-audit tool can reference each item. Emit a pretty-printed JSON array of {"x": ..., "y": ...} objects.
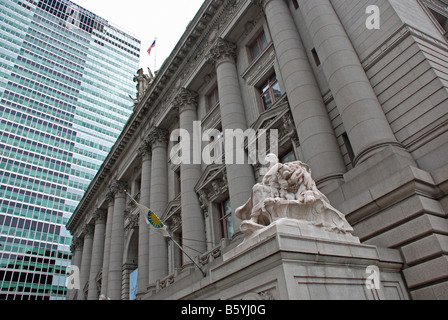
[{"x": 65, "y": 79}]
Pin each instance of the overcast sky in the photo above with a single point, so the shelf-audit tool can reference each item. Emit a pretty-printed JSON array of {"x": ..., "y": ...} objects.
[{"x": 148, "y": 20}]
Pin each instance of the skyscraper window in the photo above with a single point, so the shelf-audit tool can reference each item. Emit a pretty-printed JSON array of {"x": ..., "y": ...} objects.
[{"x": 65, "y": 79}]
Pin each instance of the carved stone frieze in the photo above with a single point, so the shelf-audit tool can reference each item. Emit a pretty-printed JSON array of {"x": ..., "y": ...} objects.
[{"x": 210, "y": 256}]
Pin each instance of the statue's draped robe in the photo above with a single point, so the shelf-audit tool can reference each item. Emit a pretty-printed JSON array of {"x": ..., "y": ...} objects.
[{"x": 288, "y": 191}]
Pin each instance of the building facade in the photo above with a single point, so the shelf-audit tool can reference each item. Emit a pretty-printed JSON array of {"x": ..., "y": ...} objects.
[
  {"x": 358, "y": 92},
  {"x": 65, "y": 79}
]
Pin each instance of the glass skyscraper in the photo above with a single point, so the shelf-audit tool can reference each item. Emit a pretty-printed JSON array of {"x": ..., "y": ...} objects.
[{"x": 65, "y": 79}]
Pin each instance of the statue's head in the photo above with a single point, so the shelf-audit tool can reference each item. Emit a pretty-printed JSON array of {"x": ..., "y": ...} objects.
[{"x": 271, "y": 159}]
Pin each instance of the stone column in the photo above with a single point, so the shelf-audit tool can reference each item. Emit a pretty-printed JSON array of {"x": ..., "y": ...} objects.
[
  {"x": 128, "y": 268},
  {"x": 76, "y": 249},
  {"x": 367, "y": 126},
  {"x": 240, "y": 176},
  {"x": 107, "y": 239},
  {"x": 85, "y": 261},
  {"x": 314, "y": 129},
  {"x": 97, "y": 252},
  {"x": 143, "y": 230},
  {"x": 117, "y": 242},
  {"x": 158, "y": 253},
  {"x": 190, "y": 173}
]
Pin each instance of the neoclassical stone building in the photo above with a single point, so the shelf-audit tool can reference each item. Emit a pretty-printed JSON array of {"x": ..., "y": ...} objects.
[{"x": 366, "y": 108}]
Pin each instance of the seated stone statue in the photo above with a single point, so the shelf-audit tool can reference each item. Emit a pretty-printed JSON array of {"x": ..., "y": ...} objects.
[{"x": 288, "y": 191}]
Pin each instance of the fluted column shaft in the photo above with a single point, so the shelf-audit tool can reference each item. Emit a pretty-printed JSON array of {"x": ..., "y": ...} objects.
[
  {"x": 85, "y": 261},
  {"x": 363, "y": 117},
  {"x": 316, "y": 134},
  {"x": 158, "y": 253},
  {"x": 240, "y": 177},
  {"x": 117, "y": 244},
  {"x": 190, "y": 172},
  {"x": 97, "y": 253}
]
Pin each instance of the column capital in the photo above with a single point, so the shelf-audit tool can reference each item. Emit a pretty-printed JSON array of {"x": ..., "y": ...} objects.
[
  {"x": 259, "y": 3},
  {"x": 223, "y": 50},
  {"x": 117, "y": 187},
  {"x": 100, "y": 216},
  {"x": 186, "y": 99},
  {"x": 144, "y": 150},
  {"x": 77, "y": 243},
  {"x": 158, "y": 137},
  {"x": 88, "y": 231},
  {"x": 109, "y": 196}
]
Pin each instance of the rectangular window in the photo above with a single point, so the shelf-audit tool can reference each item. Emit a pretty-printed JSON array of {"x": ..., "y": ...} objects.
[
  {"x": 213, "y": 98},
  {"x": 289, "y": 156},
  {"x": 269, "y": 92},
  {"x": 225, "y": 219},
  {"x": 258, "y": 46}
]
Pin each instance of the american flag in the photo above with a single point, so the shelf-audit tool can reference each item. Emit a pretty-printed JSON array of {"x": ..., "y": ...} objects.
[{"x": 152, "y": 46}]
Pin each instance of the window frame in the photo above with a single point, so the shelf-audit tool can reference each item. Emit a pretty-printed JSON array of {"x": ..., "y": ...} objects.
[
  {"x": 259, "y": 43},
  {"x": 215, "y": 94},
  {"x": 288, "y": 151},
  {"x": 270, "y": 86},
  {"x": 223, "y": 218}
]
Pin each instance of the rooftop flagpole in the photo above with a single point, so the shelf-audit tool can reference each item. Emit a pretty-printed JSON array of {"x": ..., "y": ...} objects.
[
  {"x": 152, "y": 219},
  {"x": 149, "y": 51},
  {"x": 155, "y": 56}
]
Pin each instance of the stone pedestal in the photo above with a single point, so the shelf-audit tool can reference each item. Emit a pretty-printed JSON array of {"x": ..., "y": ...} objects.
[
  {"x": 294, "y": 261},
  {"x": 291, "y": 261}
]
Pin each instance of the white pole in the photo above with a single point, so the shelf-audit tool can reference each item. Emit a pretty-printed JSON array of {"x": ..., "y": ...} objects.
[
  {"x": 175, "y": 242},
  {"x": 155, "y": 56}
]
